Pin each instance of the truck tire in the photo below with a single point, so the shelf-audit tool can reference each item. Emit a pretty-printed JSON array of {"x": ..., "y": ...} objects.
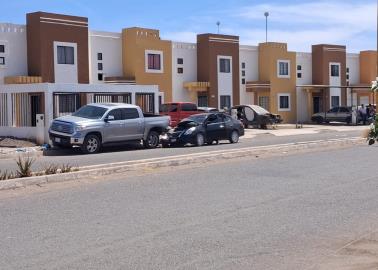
[
  {"x": 91, "y": 144},
  {"x": 152, "y": 140}
]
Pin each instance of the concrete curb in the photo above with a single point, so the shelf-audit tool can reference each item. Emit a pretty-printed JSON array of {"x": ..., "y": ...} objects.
[{"x": 173, "y": 161}]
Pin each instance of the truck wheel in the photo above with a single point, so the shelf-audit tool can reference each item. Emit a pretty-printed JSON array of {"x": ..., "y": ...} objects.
[
  {"x": 234, "y": 137},
  {"x": 152, "y": 140},
  {"x": 91, "y": 145}
]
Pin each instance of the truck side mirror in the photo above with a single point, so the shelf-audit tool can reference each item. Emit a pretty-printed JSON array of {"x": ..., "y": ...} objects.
[{"x": 109, "y": 118}]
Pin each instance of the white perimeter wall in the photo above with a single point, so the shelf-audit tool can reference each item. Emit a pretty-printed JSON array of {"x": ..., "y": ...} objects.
[
  {"x": 188, "y": 52},
  {"x": 110, "y": 45},
  {"x": 304, "y": 60},
  {"x": 14, "y": 38},
  {"x": 250, "y": 56}
]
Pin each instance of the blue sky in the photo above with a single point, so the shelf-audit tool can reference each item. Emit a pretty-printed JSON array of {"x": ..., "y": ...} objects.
[{"x": 299, "y": 23}]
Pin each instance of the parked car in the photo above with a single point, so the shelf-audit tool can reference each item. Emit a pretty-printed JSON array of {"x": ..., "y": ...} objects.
[
  {"x": 207, "y": 109},
  {"x": 336, "y": 114},
  {"x": 253, "y": 115},
  {"x": 178, "y": 111},
  {"x": 95, "y": 125},
  {"x": 204, "y": 128}
]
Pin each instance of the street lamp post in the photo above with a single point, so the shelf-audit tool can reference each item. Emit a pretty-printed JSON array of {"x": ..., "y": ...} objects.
[
  {"x": 218, "y": 24},
  {"x": 266, "y": 14}
]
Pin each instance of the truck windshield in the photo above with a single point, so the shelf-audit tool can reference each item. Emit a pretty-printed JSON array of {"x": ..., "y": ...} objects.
[{"x": 90, "y": 112}]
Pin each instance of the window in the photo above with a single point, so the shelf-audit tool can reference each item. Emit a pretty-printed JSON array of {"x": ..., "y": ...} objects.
[
  {"x": 130, "y": 114},
  {"x": 344, "y": 110},
  {"x": 335, "y": 101},
  {"x": 180, "y": 70},
  {"x": 66, "y": 55},
  {"x": 224, "y": 65},
  {"x": 284, "y": 102},
  {"x": 99, "y": 56},
  {"x": 243, "y": 81},
  {"x": 299, "y": 75},
  {"x": 283, "y": 69},
  {"x": 2, "y": 60},
  {"x": 335, "y": 70},
  {"x": 117, "y": 113},
  {"x": 299, "y": 67},
  {"x": 225, "y": 102},
  {"x": 100, "y": 76},
  {"x": 99, "y": 66},
  {"x": 243, "y": 73},
  {"x": 180, "y": 61},
  {"x": 187, "y": 107},
  {"x": 214, "y": 119},
  {"x": 202, "y": 101},
  {"x": 347, "y": 70},
  {"x": 347, "y": 76},
  {"x": 2, "y": 48},
  {"x": 243, "y": 65},
  {"x": 333, "y": 110},
  {"x": 264, "y": 102},
  {"x": 154, "y": 61}
]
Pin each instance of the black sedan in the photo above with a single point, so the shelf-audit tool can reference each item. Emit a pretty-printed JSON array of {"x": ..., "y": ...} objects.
[{"x": 204, "y": 128}]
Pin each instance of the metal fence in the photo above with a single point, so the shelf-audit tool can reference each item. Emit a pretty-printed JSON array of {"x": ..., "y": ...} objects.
[
  {"x": 3, "y": 110},
  {"x": 21, "y": 116}
]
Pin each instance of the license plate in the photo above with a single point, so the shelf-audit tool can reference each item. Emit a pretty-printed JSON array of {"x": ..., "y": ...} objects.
[{"x": 57, "y": 140}]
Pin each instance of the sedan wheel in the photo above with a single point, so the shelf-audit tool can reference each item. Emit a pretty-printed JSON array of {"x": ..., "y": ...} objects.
[
  {"x": 200, "y": 139},
  {"x": 234, "y": 138}
]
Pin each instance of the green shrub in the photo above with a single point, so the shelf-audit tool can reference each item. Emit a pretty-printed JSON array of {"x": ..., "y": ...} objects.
[
  {"x": 24, "y": 165},
  {"x": 51, "y": 169}
]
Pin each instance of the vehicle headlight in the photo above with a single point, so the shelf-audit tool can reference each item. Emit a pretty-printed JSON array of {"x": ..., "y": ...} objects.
[
  {"x": 79, "y": 128},
  {"x": 190, "y": 131}
]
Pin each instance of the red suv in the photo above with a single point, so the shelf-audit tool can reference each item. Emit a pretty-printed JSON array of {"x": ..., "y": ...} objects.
[{"x": 178, "y": 111}]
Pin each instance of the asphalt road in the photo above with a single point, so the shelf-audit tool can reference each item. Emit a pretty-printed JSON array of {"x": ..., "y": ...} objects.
[
  {"x": 276, "y": 213},
  {"x": 136, "y": 152}
]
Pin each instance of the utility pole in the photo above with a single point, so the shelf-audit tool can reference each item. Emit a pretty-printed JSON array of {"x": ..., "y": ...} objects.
[{"x": 266, "y": 14}]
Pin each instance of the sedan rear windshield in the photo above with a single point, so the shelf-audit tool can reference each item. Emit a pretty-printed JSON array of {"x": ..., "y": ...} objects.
[{"x": 90, "y": 112}]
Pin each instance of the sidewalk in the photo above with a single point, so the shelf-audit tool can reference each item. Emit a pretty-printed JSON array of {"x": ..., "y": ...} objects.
[{"x": 291, "y": 130}]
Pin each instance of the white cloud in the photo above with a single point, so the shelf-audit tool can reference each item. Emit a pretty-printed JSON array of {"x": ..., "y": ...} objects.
[{"x": 299, "y": 25}]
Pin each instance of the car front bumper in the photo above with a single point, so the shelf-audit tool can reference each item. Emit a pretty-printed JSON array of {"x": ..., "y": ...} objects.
[{"x": 66, "y": 139}]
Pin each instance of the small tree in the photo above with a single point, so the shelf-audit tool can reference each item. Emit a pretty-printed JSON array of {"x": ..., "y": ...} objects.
[{"x": 373, "y": 132}]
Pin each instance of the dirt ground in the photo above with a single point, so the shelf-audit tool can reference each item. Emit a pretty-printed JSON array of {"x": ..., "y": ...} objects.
[
  {"x": 15, "y": 143},
  {"x": 361, "y": 254}
]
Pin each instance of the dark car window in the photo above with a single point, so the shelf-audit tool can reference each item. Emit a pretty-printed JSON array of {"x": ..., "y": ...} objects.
[
  {"x": 334, "y": 110},
  {"x": 187, "y": 107},
  {"x": 214, "y": 118},
  {"x": 130, "y": 113},
  {"x": 117, "y": 113},
  {"x": 227, "y": 118},
  {"x": 166, "y": 108},
  {"x": 199, "y": 118},
  {"x": 344, "y": 110}
]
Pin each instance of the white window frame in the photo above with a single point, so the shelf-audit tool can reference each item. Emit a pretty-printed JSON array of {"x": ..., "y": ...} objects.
[
  {"x": 65, "y": 44},
  {"x": 218, "y": 63},
  {"x": 278, "y": 102},
  {"x": 288, "y": 69},
  {"x": 330, "y": 69},
  {"x": 146, "y": 53},
  {"x": 4, "y": 54}
]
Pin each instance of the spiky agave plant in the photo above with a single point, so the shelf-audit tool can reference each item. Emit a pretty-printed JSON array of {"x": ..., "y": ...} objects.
[{"x": 24, "y": 165}]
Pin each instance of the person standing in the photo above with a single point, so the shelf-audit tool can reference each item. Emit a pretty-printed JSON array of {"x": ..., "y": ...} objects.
[{"x": 362, "y": 112}]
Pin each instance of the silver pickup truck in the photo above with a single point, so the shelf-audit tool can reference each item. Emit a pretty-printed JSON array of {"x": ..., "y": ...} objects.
[{"x": 97, "y": 124}]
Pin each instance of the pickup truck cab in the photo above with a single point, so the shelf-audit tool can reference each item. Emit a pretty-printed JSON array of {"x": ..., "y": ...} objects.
[
  {"x": 178, "y": 111},
  {"x": 95, "y": 125}
]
